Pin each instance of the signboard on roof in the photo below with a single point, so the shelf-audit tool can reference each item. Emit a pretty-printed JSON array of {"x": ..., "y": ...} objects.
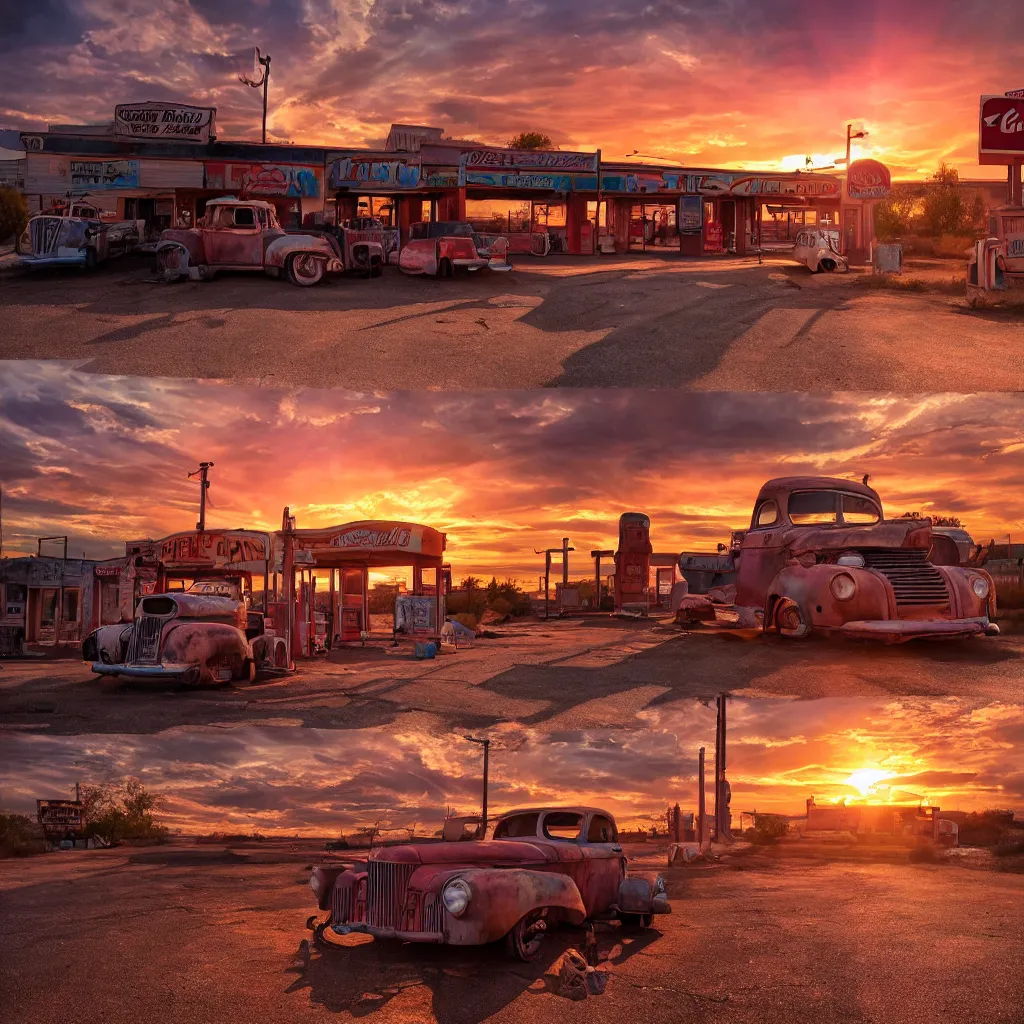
[
  {"x": 868, "y": 179},
  {"x": 1001, "y": 130},
  {"x": 165, "y": 122},
  {"x": 214, "y": 548},
  {"x": 374, "y": 173},
  {"x": 60, "y": 816}
]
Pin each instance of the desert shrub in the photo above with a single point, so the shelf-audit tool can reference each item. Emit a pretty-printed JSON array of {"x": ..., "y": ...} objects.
[
  {"x": 18, "y": 836},
  {"x": 924, "y": 853},
  {"x": 121, "y": 813},
  {"x": 954, "y": 246},
  {"x": 501, "y": 607},
  {"x": 13, "y": 214},
  {"x": 767, "y": 829},
  {"x": 1009, "y": 848},
  {"x": 467, "y": 619}
]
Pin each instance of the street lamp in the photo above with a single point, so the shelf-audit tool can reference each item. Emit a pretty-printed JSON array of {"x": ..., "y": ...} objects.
[
  {"x": 486, "y": 744},
  {"x": 858, "y": 134}
]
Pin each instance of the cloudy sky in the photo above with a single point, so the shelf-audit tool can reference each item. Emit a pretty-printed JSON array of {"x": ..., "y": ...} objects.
[
  {"x": 294, "y": 780},
  {"x": 711, "y": 82},
  {"x": 104, "y": 459}
]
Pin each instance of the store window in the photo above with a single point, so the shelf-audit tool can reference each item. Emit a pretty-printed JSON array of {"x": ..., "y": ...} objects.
[{"x": 498, "y": 216}]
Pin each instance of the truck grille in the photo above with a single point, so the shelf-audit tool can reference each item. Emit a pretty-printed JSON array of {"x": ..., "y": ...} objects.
[
  {"x": 145, "y": 642},
  {"x": 45, "y": 234},
  {"x": 386, "y": 892},
  {"x": 914, "y": 580}
]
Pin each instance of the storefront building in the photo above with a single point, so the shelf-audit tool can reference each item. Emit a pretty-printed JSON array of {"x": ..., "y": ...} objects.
[
  {"x": 45, "y": 600},
  {"x": 160, "y": 163}
]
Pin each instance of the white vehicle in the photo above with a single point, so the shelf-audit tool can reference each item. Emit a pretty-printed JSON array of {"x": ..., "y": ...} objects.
[
  {"x": 818, "y": 249},
  {"x": 74, "y": 235}
]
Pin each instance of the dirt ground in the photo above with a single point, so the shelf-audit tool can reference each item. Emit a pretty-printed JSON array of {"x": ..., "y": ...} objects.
[
  {"x": 564, "y": 674},
  {"x": 634, "y": 321},
  {"x": 203, "y": 933}
]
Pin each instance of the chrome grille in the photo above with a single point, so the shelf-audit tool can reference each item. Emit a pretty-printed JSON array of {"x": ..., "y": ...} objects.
[
  {"x": 914, "y": 580},
  {"x": 386, "y": 892},
  {"x": 45, "y": 234},
  {"x": 144, "y": 645},
  {"x": 431, "y": 914},
  {"x": 341, "y": 904}
]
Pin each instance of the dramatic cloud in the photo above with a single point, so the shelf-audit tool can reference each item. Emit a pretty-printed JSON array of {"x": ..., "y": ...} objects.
[
  {"x": 105, "y": 459},
  {"x": 295, "y": 780},
  {"x": 743, "y": 83}
]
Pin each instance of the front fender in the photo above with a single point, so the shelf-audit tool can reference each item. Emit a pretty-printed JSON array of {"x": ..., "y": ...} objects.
[
  {"x": 107, "y": 644},
  {"x": 206, "y": 644},
  {"x": 503, "y": 896},
  {"x": 808, "y": 587},
  {"x": 281, "y": 248}
]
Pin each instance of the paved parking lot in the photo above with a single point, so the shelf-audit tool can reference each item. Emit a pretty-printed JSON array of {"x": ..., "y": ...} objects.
[{"x": 639, "y": 321}]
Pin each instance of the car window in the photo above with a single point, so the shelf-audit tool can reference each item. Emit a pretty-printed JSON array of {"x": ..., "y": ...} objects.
[
  {"x": 519, "y": 826},
  {"x": 601, "y": 830},
  {"x": 261, "y": 216},
  {"x": 244, "y": 217},
  {"x": 808, "y": 507},
  {"x": 767, "y": 514},
  {"x": 857, "y": 509},
  {"x": 563, "y": 825},
  {"x": 418, "y": 231}
]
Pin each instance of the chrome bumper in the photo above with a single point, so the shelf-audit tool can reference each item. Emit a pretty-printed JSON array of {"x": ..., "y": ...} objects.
[
  {"x": 898, "y": 630},
  {"x": 186, "y": 673},
  {"x": 76, "y": 260}
]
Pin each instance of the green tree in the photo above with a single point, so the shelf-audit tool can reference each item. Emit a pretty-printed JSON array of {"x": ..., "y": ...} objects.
[
  {"x": 895, "y": 214},
  {"x": 122, "y": 812},
  {"x": 13, "y": 214},
  {"x": 530, "y": 140},
  {"x": 947, "y": 210}
]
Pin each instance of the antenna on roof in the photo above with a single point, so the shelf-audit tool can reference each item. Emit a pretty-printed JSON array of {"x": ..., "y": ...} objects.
[
  {"x": 865, "y": 480},
  {"x": 260, "y": 76}
]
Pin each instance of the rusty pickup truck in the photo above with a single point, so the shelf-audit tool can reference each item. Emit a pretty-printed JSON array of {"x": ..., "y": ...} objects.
[
  {"x": 442, "y": 248},
  {"x": 542, "y": 866},
  {"x": 820, "y": 556},
  {"x": 74, "y": 235},
  {"x": 244, "y": 234}
]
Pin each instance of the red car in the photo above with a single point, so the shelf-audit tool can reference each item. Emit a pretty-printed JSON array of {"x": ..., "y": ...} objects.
[
  {"x": 542, "y": 866},
  {"x": 440, "y": 248}
]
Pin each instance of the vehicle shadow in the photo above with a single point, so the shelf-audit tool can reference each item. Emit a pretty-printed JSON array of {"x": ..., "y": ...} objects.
[{"x": 460, "y": 985}]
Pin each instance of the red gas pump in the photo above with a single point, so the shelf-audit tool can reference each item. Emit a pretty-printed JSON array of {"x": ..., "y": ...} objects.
[{"x": 633, "y": 564}]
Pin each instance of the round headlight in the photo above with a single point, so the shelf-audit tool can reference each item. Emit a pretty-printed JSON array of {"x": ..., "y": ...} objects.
[
  {"x": 843, "y": 586},
  {"x": 456, "y": 896},
  {"x": 980, "y": 586},
  {"x": 854, "y": 558}
]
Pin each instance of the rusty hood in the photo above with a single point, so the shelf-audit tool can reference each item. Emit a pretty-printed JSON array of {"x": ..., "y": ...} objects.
[
  {"x": 492, "y": 851},
  {"x": 890, "y": 533}
]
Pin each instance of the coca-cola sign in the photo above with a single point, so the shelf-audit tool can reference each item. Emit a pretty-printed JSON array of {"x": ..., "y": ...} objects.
[
  {"x": 1001, "y": 130},
  {"x": 868, "y": 179}
]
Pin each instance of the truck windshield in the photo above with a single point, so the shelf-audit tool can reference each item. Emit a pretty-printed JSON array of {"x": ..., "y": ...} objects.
[{"x": 823, "y": 507}]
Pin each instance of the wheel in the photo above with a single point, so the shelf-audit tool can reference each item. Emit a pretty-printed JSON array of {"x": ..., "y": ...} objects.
[
  {"x": 306, "y": 269},
  {"x": 280, "y": 656},
  {"x": 90, "y": 259},
  {"x": 375, "y": 268},
  {"x": 789, "y": 620},
  {"x": 526, "y": 938},
  {"x": 172, "y": 263},
  {"x": 445, "y": 268},
  {"x": 827, "y": 265}
]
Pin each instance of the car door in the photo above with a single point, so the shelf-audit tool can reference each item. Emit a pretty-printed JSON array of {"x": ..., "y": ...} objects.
[
  {"x": 761, "y": 554},
  {"x": 235, "y": 239},
  {"x": 604, "y": 865}
]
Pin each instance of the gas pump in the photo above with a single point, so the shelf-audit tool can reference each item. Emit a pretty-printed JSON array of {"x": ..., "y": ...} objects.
[{"x": 633, "y": 564}]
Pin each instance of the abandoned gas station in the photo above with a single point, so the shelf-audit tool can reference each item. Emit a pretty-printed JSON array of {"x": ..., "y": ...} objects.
[{"x": 540, "y": 200}]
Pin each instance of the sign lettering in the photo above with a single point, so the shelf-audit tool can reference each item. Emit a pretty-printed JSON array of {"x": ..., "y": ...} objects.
[{"x": 165, "y": 123}]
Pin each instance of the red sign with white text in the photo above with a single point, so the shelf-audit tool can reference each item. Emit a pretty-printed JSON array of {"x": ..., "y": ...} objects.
[
  {"x": 868, "y": 179},
  {"x": 1001, "y": 130}
]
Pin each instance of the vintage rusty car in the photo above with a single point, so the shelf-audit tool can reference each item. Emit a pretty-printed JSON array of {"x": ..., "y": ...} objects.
[
  {"x": 542, "y": 866},
  {"x": 819, "y": 556},
  {"x": 441, "y": 248},
  {"x": 201, "y": 636},
  {"x": 244, "y": 234},
  {"x": 74, "y": 235},
  {"x": 818, "y": 249}
]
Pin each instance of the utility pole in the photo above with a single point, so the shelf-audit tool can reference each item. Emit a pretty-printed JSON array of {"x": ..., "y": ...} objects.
[
  {"x": 701, "y": 800},
  {"x": 547, "y": 553},
  {"x": 723, "y": 791},
  {"x": 259, "y": 79},
  {"x": 486, "y": 744},
  {"x": 203, "y": 473},
  {"x": 859, "y": 134}
]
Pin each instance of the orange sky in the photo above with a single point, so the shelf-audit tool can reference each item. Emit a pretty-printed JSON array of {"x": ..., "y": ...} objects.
[
  {"x": 780, "y": 753},
  {"x": 104, "y": 459},
  {"x": 751, "y": 83}
]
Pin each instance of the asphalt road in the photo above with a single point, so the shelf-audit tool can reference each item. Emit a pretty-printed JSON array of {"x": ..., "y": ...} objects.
[
  {"x": 196, "y": 933},
  {"x": 639, "y": 321},
  {"x": 590, "y": 674}
]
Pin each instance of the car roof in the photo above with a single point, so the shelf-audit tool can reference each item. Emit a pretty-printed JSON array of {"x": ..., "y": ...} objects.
[
  {"x": 544, "y": 810},
  {"x": 222, "y": 200}
]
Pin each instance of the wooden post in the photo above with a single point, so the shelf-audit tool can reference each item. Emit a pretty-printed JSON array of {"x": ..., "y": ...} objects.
[
  {"x": 701, "y": 804},
  {"x": 330, "y": 606}
]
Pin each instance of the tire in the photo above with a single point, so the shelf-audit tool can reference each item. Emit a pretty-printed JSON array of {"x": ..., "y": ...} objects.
[
  {"x": 90, "y": 260},
  {"x": 306, "y": 269},
  {"x": 445, "y": 268},
  {"x": 172, "y": 263},
  {"x": 639, "y": 921},
  {"x": 827, "y": 265},
  {"x": 789, "y": 620},
  {"x": 280, "y": 656},
  {"x": 375, "y": 267},
  {"x": 526, "y": 939}
]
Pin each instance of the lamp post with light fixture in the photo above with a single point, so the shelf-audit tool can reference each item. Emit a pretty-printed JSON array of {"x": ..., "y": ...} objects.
[{"x": 859, "y": 134}]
